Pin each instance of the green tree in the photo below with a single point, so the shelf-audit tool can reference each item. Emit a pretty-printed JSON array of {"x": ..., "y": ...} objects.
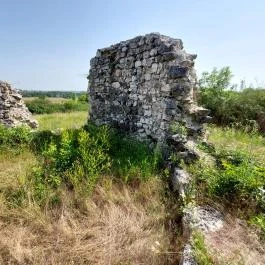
[
  {"x": 217, "y": 80},
  {"x": 214, "y": 90}
]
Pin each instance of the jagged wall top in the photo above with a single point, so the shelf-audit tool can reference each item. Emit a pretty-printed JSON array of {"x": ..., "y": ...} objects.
[{"x": 145, "y": 86}]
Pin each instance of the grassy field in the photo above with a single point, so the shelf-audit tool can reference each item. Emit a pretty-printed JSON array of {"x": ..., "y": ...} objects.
[
  {"x": 61, "y": 120},
  {"x": 232, "y": 139}
]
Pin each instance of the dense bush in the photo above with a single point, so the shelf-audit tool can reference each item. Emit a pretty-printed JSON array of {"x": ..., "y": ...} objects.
[
  {"x": 43, "y": 105},
  {"x": 237, "y": 181},
  {"x": 228, "y": 106}
]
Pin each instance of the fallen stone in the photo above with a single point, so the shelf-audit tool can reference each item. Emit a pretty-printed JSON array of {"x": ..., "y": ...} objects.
[
  {"x": 177, "y": 72},
  {"x": 181, "y": 182},
  {"x": 204, "y": 218},
  {"x": 187, "y": 256}
]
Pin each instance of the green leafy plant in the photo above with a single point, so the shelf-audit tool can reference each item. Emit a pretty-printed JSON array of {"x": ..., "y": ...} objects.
[
  {"x": 92, "y": 158},
  {"x": 201, "y": 253},
  {"x": 236, "y": 178},
  {"x": 178, "y": 128},
  {"x": 15, "y": 138},
  {"x": 74, "y": 159},
  {"x": 259, "y": 221}
]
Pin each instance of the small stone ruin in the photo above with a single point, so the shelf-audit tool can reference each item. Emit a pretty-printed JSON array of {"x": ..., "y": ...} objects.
[
  {"x": 146, "y": 87},
  {"x": 13, "y": 111}
]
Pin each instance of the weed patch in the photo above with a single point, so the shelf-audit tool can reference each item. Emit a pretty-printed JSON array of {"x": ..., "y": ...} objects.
[
  {"x": 237, "y": 180},
  {"x": 200, "y": 250},
  {"x": 259, "y": 222},
  {"x": 76, "y": 158}
]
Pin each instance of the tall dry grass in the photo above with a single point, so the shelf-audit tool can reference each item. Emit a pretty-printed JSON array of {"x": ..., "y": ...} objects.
[
  {"x": 117, "y": 225},
  {"x": 236, "y": 243}
]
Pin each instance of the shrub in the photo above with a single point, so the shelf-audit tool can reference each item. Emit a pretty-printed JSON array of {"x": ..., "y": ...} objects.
[
  {"x": 213, "y": 90},
  {"x": 240, "y": 182},
  {"x": 178, "y": 128},
  {"x": 15, "y": 138},
  {"x": 40, "y": 106},
  {"x": 83, "y": 97},
  {"x": 228, "y": 106},
  {"x": 73, "y": 105},
  {"x": 75, "y": 158},
  {"x": 92, "y": 158},
  {"x": 21, "y": 137},
  {"x": 42, "y": 139}
]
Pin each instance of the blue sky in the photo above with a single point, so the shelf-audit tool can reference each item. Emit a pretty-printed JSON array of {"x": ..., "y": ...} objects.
[{"x": 47, "y": 45}]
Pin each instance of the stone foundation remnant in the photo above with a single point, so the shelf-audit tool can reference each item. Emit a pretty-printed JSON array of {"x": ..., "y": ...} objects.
[
  {"x": 146, "y": 87},
  {"x": 13, "y": 111}
]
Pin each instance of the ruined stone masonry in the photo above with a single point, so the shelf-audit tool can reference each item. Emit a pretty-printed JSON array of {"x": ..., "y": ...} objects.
[
  {"x": 146, "y": 86},
  {"x": 13, "y": 111}
]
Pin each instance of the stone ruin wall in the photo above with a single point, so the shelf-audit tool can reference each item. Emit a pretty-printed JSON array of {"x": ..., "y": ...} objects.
[
  {"x": 13, "y": 111},
  {"x": 146, "y": 86}
]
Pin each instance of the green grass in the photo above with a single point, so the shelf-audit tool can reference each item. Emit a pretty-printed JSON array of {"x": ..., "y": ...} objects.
[
  {"x": 14, "y": 167},
  {"x": 200, "y": 249},
  {"x": 233, "y": 139},
  {"x": 133, "y": 160},
  {"x": 62, "y": 120}
]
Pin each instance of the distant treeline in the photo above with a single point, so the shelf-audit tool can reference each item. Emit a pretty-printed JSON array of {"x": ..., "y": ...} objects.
[{"x": 53, "y": 94}]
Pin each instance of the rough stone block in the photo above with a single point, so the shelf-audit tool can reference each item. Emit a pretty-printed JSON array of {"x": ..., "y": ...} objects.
[{"x": 177, "y": 72}]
